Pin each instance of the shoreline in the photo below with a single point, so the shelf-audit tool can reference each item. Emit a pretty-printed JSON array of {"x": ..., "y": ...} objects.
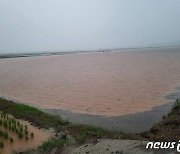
[
  {"x": 54, "y": 53},
  {"x": 128, "y": 123},
  {"x": 131, "y": 123},
  {"x": 76, "y": 134}
]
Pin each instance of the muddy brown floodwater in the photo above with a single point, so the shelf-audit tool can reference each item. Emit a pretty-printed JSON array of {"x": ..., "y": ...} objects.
[
  {"x": 99, "y": 83},
  {"x": 18, "y": 145}
]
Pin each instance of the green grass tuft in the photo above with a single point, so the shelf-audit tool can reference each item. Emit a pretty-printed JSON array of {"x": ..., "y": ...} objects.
[
  {"x": 29, "y": 113},
  {"x": 52, "y": 143}
]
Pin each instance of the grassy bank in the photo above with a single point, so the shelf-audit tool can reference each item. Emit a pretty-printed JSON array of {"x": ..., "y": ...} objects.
[
  {"x": 168, "y": 129},
  {"x": 74, "y": 134},
  {"x": 79, "y": 133}
]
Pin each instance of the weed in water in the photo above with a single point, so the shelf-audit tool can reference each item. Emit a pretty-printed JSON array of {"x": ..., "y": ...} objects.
[
  {"x": 20, "y": 135},
  {"x": 26, "y": 131},
  {"x": 1, "y": 144},
  {"x": 11, "y": 140},
  {"x": 32, "y": 135},
  {"x": 27, "y": 138}
]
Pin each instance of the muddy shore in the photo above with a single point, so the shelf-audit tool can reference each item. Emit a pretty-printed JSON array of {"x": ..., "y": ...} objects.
[{"x": 134, "y": 123}]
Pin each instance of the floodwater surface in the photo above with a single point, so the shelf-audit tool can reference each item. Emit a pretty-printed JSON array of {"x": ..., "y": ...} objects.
[
  {"x": 19, "y": 145},
  {"x": 98, "y": 83}
]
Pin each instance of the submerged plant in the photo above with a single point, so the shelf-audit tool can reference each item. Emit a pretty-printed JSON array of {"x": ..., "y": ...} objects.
[
  {"x": 13, "y": 128},
  {"x": 32, "y": 135},
  {"x": 6, "y": 135},
  {"x": 11, "y": 124},
  {"x": 2, "y": 133},
  {"x": 21, "y": 129},
  {"x": 5, "y": 124},
  {"x": 1, "y": 144},
  {"x": 27, "y": 138},
  {"x": 20, "y": 135},
  {"x": 11, "y": 140},
  {"x": 26, "y": 131}
]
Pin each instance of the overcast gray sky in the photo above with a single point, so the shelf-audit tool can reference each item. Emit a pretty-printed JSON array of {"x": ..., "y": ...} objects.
[{"x": 58, "y": 25}]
